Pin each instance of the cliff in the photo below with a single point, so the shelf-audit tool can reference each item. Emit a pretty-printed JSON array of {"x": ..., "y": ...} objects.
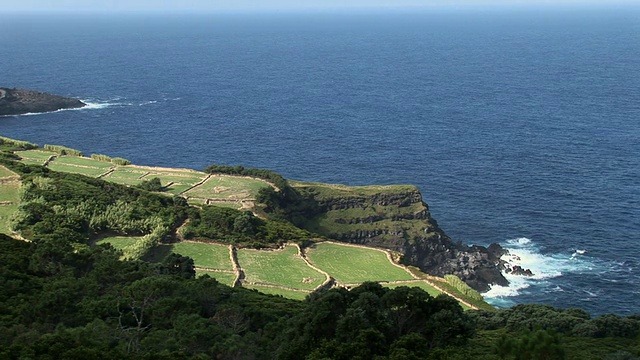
[
  {"x": 20, "y": 101},
  {"x": 396, "y": 218}
]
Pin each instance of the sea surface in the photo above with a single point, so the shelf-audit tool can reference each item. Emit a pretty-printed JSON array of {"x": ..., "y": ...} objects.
[{"x": 519, "y": 126}]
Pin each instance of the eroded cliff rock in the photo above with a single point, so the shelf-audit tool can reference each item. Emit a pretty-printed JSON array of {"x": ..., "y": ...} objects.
[
  {"x": 20, "y": 101},
  {"x": 396, "y": 218}
]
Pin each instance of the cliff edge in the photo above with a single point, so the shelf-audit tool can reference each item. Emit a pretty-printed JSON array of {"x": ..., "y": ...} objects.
[
  {"x": 396, "y": 218},
  {"x": 21, "y": 101}
]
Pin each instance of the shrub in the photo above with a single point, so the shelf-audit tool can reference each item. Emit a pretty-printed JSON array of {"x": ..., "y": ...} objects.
[
  {"x": 120, "y": 161},
  {"x": 101, "y": 157},
  {"x": 18, "y": 143},
  {"x": 63, "y": 150}
]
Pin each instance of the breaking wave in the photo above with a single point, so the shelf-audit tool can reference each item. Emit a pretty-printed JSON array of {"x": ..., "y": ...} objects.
[{"x": 546, "y": 269}]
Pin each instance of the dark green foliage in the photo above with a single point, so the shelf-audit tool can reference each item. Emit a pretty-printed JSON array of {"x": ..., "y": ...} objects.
[
  {"x": 571, "y": 321},
  {"x": 153, "y": 184},
  {"x": 240, "y": 227},
  {"x": 371, "y": 321},
  {"x": 289, "y": 205}
]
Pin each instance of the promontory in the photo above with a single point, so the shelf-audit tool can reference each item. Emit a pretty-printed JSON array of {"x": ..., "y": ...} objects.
[{"x": 21, "y": 101}]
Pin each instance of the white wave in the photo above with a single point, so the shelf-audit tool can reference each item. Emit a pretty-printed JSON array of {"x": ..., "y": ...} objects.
[
  {"x": 525, "y": 253},
  {"x": 147, "y": 102}
]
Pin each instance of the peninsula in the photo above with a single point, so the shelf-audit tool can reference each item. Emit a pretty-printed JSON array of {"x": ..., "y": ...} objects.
[{"x": 21, "y": 101}]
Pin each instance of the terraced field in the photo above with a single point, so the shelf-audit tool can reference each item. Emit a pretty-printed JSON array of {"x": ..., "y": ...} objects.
[
  {"x": 352, "y": 265},
  {"x": 279, "y": 267},
  {"x": 36, "y": 155},
  {"x": 211, "y": 256},
  {"x": 228, "y": 188},
  {"x": 226, "y": 278},
  {"x": 9, "y": 198},
  {"x": 290, "y": 294},
  {"x": 119, "y": 242}
]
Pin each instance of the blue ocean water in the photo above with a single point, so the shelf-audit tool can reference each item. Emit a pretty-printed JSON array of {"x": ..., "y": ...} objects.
[{"x": 520, "y": 127}]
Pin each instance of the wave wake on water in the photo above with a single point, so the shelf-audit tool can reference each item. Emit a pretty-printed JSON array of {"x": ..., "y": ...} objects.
[{"x": 547, "y": 270}]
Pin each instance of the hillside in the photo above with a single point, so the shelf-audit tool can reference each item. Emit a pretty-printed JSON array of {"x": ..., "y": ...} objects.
[{"x": 103, "y": 274}]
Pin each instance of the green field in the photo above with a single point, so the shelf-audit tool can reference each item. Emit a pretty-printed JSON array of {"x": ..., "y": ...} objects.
[
  {"x": 279, "y": 267},
  {"x": 348, "y": 264},
  {"x": 119, "y": 242},
  {"x": 32, "y": 162},
  {"x": 189, "y": 179},
  {"x": 8, "y": 193},
  {"x": 91, "y": 172},
  {"x": 324, "y": 191},
  {"x": 289, "y": 294},
  {"x": 84, "y": 162},
  {"x": 213, "y": 256},
  {"x": 36, "y": 155},
  {"x": 418, "y": 283},
  {"x": 178, "y": 188},
  {"x": 222, "y": 277},
  {"x": 4, "y": 172},
  {"x": 228, "y": 187}
]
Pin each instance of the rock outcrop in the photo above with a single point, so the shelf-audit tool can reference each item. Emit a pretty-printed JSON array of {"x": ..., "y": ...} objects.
[
  {"x": 397, "y": 218},
  {"x": 20, "y": 101}
]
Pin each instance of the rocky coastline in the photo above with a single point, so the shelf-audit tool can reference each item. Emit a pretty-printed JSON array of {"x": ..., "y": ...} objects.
[
  {"x": 21, "y": 101},
  {"x": 400, "y": 221}
]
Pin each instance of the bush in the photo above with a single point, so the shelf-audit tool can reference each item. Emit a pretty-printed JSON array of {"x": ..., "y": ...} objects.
[
  {"x": 120, "y": 161},
  {"x": 63, "y": 150},
  {"x": 18, "y": 143},
  {"x": 463, "y": 287},
  {"x": 101, "y": 157}
]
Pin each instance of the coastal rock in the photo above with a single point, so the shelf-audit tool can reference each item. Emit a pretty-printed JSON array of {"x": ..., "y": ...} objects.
[
  {"x": 20, "y": 101},
  {"x": 398, "y": 219}
]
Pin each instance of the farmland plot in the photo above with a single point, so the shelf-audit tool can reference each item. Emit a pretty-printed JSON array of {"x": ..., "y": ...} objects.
[
  {"x": 349, "y": 264},
  {"x": 279, "y": 267},
  {"x": 212, "y": 256}
]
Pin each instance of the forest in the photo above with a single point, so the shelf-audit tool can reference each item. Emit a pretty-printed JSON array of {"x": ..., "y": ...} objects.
[{"x": 64, "y": 297}]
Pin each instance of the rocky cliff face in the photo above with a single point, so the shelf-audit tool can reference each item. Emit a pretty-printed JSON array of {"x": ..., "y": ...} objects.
[
  {"x": 20, "y": 101},
  {"x": 398, "y": 219}
]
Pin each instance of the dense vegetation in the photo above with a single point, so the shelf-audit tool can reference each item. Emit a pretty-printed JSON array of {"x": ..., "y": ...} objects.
[{"x": 63, "y": 298}]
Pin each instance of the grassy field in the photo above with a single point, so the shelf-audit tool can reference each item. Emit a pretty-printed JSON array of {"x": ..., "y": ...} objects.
[
  {"x": 167, "y": 177},
  {"x": 84, "y": 162},
  {"x": 36, "y": 155},
  {"x": 177, "y": 188},
  {"x": 222, "y": 277},
  {"x": 119, "y": 242},
  {"x": 91, "y": 172},
  {"x": 289, "y": 294},
  {"x": 213, "y": 256},
  {"x": 336, "y": 190},
  {"x": 4, "y": 172},
  {"x": 8, "y": 193},
  {"x": 228, "y": 187},
  {"x": 421, "y": 284},
  {"x": 281, "y": 267},
  {"x": 348, "y": 264}
]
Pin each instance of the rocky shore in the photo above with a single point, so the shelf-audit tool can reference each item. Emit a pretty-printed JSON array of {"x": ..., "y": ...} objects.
[
  {"x": 397, "y": 218},
  {"x": 21, "y": 101}
]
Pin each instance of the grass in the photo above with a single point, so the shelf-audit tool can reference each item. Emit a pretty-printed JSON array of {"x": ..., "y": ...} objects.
[
  {"x": 177, "y": 188},
  {"x": 32, "y": 162},
  {"x": 324, "y": 191},
  {"x": 36, "y": 154},
  {"x": 166, "y": 178},
  {"x": 289, "y": 294},
  {"x": 119, "y": 242},
  {"x": 228, "y": 187},
  {"x": 222, "y": 277},
  {"x": 421, "y": 284},
  {"x": 91, "y": 172},
  {"x": 280, "y": 267},
  {"x": 213, "y": 256},
  {"x": 4, "y": 172},
  {"x": 83, "y": 161},
  {"x": 348, "y": 264},
  {"x": 8, "y": 193}
]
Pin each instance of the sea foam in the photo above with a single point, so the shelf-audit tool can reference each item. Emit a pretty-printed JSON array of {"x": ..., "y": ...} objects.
[{"x": 525, "y": 253}]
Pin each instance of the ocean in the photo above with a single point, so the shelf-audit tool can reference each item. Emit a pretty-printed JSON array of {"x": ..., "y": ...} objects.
[{"x": 519, "y": 126}]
